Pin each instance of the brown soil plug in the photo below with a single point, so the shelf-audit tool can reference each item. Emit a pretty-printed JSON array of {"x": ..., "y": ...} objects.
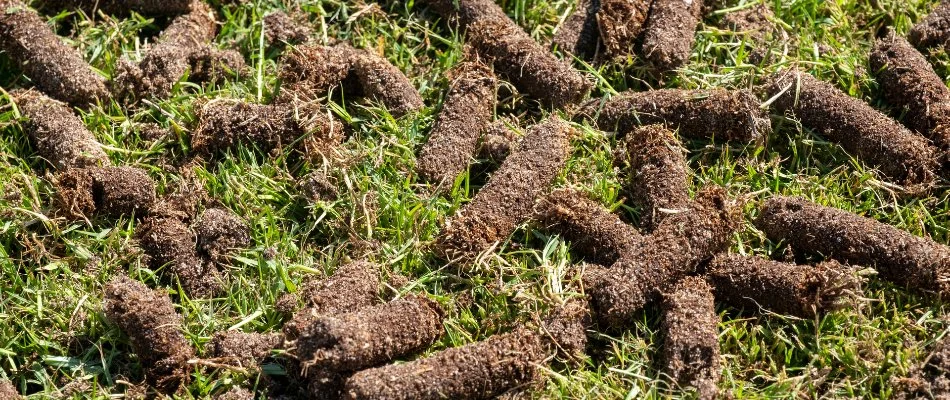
[
  {"x": 353, "y": 287},
  {"x": 933, "y": 30},
  {"x": 58, "y": 135},
  {"x": 219, "y": 232},
  {"x": 55, "y": 68},
  {"x": 498, "y": 140},
  {"x": 658, "y": 180},
  {"x": 121, "y": 7},
  {"x": 691, "y": 338},
  {"x": 280, "y": 28},
  {"x": 900, "y": 257},
  {"x": 154, "y": 329},
  {"x": 110, "y": 191},
  {"x": 311, "y": 70},
  {"x": 8, "y": 391},
  {"x": 170, "y": 242},
  {"x": 578, "y": 34},
  {"x": 467, "y": 12},
  {"x": 931, "y": 378},
  {"x": 245, "y": 350},
  {"x": 670, "y": 32},
  {"x": 565, "y": 329},
  {"x": 620, "y": 23},
  {"x": 756, "y": 24},
  {"x": 381, "y": 80}
]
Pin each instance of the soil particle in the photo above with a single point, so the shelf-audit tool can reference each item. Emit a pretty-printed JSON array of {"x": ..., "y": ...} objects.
[
  {"x": 861, "y": 130},
  {"x": 280, "y": 28},
  {"x": 169, "y": 241},
  {"x": 578, "y": 34},
  {"x": 8, "y": 391},
  {"x": 670, "y": 32},
  {"x": 695, "y": 114},
  {"x": 109, "y": 191},
  {"x": 657, "y": 175},
  {"x": 58, "y": 134},
  {"x": 245, "y": 350},
  {"x": 933, "y": 30},
  {"x": 381, "y": 80},
  {"x": 120, "y": 7},
  {"x": 310, "y": 71},
  {"x": 498, "y": 140},
  {"x": 467, "y": 12},
  {"x": 900, "y": 257},
  {"x": 594, "y": 232},
  {"x": 465, "y": 114},
  {"x": 620, "y": 23},
  {"x": 219, "y": 232},
  {"x": 148, "y": 317},
  {"x": 691, "y": 339},
  {"x": 509, "y": 196},
  {"x": 930, "y": 379},
  {"x": 55, "y": 68},
  {"x": 353, "y": 287},
  {"x": 236, "y": 393},
  {"x": 479, "y": 370},
  {"x": 565, "y": 329},
  {"x": 672, "y": 251}
]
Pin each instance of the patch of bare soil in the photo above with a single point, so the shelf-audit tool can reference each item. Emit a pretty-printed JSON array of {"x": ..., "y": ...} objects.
[
  {"x": 695, "y": 114},
  {"x": 657, "y": 177},
  {"x": 465, "y": 114},
  {"x": 148, "y": 317},
  {"x": 498, "y": 140},
  {"x": 8, "y": 391},
  {"x": 861, "y": 130},
  {"x": 58, "y": 134},
  {"x": 931, "y": 378},
  {"x": 353, "y": 287},
  {"x": 914, "y": 262},
  {"x": 381, "y": 80},
  {"x": 691, "y": 338},
  {"x": 120, "y": 7},
  {"x": 110, "y": 191},
  {"x": 578, "y": 35},
  {"x": 565, "y": 329},
  {"x": 311, "y": 70},
  {"x": 670, "y": 32},
  {"x": 220, "y": 232},
  {"x": 620, "y": 23},
  {"x": 466, "y": 12},
  {"x": 280, "y": 28},
  {"x": 933, "y": 30},
  {"x": 241, "y": 349},
  {"x": 755, "y": 23}
]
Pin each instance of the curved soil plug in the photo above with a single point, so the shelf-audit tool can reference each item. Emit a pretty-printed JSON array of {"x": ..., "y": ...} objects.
[
  {"x": 465, "y": 114},
  {"x": 8, "y": 391},
  {"x": 54, "y": 67},
  {"x": 578, "y": 34},
  {"x": 219, "y": 232},
  {"x": 498, "y": 140},
  {"x": 111, "y": 191},
  {"x": 671, "y": 252},
  {"x": 169, "y": 241},
  {"x": 756, "y": 23},
  {"x": 670, "y": 32},
  {"x": 620, "y": 23},
  {"x": 933, "y": 30},
  {"x": 353, "y": 287},
  {"x": 509, "y": 196},
  {"x": 861, "y": 130},
  {"x": 381, "y": 80},
  {"x": 467, "y": 12},
  {"x": 58, "y": 134},
  {"x": 799, "y": 290},
  {"x": 931, "y": 378},
  {"x": 657, "y": 173},
  {"x": 596, "y": 233},
  {"x": 245, "y": 350},
  {"x": 310, "y": 71},
  {"x": 695, "y": 114},
  {"x": 121, "y": 7},
  {"x": 154, "y": 329},
  {"x": 280, "y": 28},
  {"x": 565, "y": 330},
  {"x": 479, "y": 370},
  {"x": 370, "y": 337},
  {"x": 691, "y": 337},
  {"x": 900, "y": 257}
]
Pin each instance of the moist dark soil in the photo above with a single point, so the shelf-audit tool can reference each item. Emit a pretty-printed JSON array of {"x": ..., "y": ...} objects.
[
  {"x": 620, "y": 23},
  {"x": 657, "y": 177},
  {"x": 220, "y": 232},
  {"x": 578, "y": 35},
  {"x": 914, "y": 262},
  {"x": 565, "y": 329},
  {"x": 466, "y": 12},
  {"x": 236, "y": 393},
  {"x": 8, "y": 391},
  {"x": 353, "y": 287},
  {"x": 318, "y": 186},
  {"x": 861, "y": 130},
  {"x": 108, "y": 191},
  {"x": 120, "y": 7},
  {"x": 498, "y": 140},
  {"x": 281, "y": 28},
  {"x": 171, "y": 242},
  {"x": 933, "y": 30},
  {"x": 475, "y": 371},
  {"x": 695, "y": 114},
  {"x": 381, "y": 80},
  {"x": 594, "y": 232},
  {"x": 54, "y": 67},
  {"x": 756, "y": 25},
  {"x": 931, "y": 378},
  {"x": 671, "y": 252},
  {"x": 690, "y": 337},
  {"x": 533, "y": 69},
  {"x": 57, "y": 134},
  {"x": 244, "y": 350},
  {"x": 148, "y": 317},
  {"x": 509, "y": 196},
  {"x": 311, "y": 70},
  {"x": 465, "y": 114},
  {"x": 670, "y": 32}
]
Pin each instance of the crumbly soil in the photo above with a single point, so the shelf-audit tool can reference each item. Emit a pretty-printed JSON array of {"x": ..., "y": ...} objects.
[
  {"x": 220, "y": 232},
  {"x": 690, "y": 338},
  {"x": 354, "y": 286},
  {"x": 755, "y": 23},
  {"x": 498, "y": 140},
  {"x": 657, "y": 177},
  {"x": 210, "y": 64},
  {"x": 479, "y": 370},
  {"x": 466, "y": 12},
  {"x": 370, "y": 337},
  {"x": 171, "y": 242},
  {"x": 318, "y": 186},
  {"x": 931, "y": 378},
  {"x": 533, "y": 69},
  {"x": 381, "y": 80},
  {"x": 620, "y": 23},
  {"x": 241, "y": 349},
  {"x": 802, "y": 291},
  {"x": 695, "y": 114},
  {"x": 148, "y": 317},
  {"x": 565, "y": 329},
  {"x": 861, "y": 130},
  {"x": 670, "y": 32},
  {"x": 310, "y": 71},
  {"x": 120, "y": 7},
  {"x": 57, "y": 134},
  {"x": 236, "y": 393},
  {"x": 914, "y": 262},
  {"x": 672, "y": 251},
  {"x": 509, "y": 196},
  {"x": 933, "y": 30},
  {"x": 578, "y": 35},
  {"x": 54, "y": 67},
  {"x": 280, "y": 28},
  {"x": 465, "y": 114},
  {"x": 108, "y": 191},
  {"x": 8, "y": 391},
  {"x": 594, "y": 232}
]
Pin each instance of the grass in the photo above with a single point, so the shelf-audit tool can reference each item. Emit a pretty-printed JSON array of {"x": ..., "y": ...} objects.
[{"x": 55, "y": 342}]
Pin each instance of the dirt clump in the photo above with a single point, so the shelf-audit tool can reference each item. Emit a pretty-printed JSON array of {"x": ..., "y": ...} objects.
[
  {"x": 695, "y": 114},
  {"x": 58, "y": 134},
  {"x": 498, "y": 140},
  {"x": 914, "y": 262},
  {"x": 657, "y": 175},
  {"x": 312, "y": 70},
  {"x": 931, "y": 378},
  {"x": 171, "y": 242},
  {"x": 620, "y": 23},
  {"x": 691, "y": 338},
  {"x": 861, "y": 130},
  {"x": 281, "y": 28},
  {"x": 479, "y": 370},
  {"x": 465, "y": 114},
  {"x": 148, "y": 317},
  {"x": 8, "y": 391},
  {"x": 578, "y": 34},
  {"x": 670, "y": 32},
  {"x": 245, "y": 350},
  {"x": 353, "y": 287},
  {"x": 219, "y": 232},
  {"x": 109, "y": 191},
  {"x": 595, "y": 233},
  {"x": 755, "y": 23},
  {"x": 565, "y": 329},
  {"x": 509, "y": 196},
  {"x": 933, "y": 30},
  {"x": 467, "y": 12},
  {"x": 381, "y": 80},
  {"x": 318, "y": 186},
  {"x": 120, "y": 7}
]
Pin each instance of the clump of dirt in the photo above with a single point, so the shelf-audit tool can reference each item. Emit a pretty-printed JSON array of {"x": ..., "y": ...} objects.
[
  {"x": 219, "y": 232},
  {"x": 620, "y": 23},
  {"x": 467, "y": 12},
  {"x": 933, "y": 30},
  {"x": 509, "y": 196},
  {"x": 8, "y": 391},
  {"x": 691, "y": 339},
  {"x": 58, "y": 134},
  {"x": 148, "y": 317},
  {"x": 120, "y": 7},
  {"x": 756, "y": 24},
  {"x": 280, "y": 28},
  {"x": 657, "y": 175},
  {"x": 670, "y": 32},
  {"x": 55, "y": 68},
  {"x": 474, "y": 371},
  {"x": 566, "y": 329},
  {"x": 353, "y": 287},
  {"x": 497, "y": 141},
  {"x": 245, "y": 350},
  {"x": 671, "y": 252},
  {"x": 578, "y": 34},
  {"x": 900, "y": 257},
  {"x": 695, "y": 114},
  {"x": 596, "y": 233},
  {"x": 861, "y": 130},
  {"x": 236, "y": 393},
  {"x": 931, "y": 378},
  {"x": 111, "y": 191},
  {"x": 798, "y": 290},
  {"x": 381, "y": 80},
  {"x": 209, "y": 64},
  {"x": 310, "y": 71},
  {"x": 465, "y": 114},
  {"x": 318, "y": 186}
]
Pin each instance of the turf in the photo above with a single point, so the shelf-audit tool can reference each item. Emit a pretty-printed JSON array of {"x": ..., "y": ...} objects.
[{"x": 55, "y": 340}]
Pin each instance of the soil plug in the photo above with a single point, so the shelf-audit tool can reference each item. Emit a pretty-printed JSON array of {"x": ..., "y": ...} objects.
[
  {"x": 691, "y": 338},
  {"x": 658, "y": 180},
  {"x": 670, "y": 32}
]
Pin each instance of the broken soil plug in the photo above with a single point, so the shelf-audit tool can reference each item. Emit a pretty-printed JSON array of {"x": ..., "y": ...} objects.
[
  {"x": 657, "y": 175},
  {"x": 620, "y": 23},
  {"x": 244, "y": 350},
  {"x": 691, "y": 338},
  {"x": 578, "y": 35},
  {"x": 670, "y": 33},
  {"x": 353, "y": 287},
  {"x": 109, "y": 191},
  {"x": 933, "y": 30},
  {"x": 59, "y": 135}
]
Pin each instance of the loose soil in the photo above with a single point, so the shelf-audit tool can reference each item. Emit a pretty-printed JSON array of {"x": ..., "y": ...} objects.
[
  {"x": 107, "y": 191},
  {"x": 318, "y": 186},
  {"x": 914, "y": 262},
  {"x": 58, "y": 134},
  {"x": 280, "y": 28},
  {"x": 656, "y": 173},
  {"x": 311, "y": 70},
  {"x": 54, "y": 67},
  {"x": 8, "y": 391},
  {"x": 861, "y": 130},
  {"x": 565, "y": 329},
  {"x": 620, "y": 23},
  {"x": 695, "y": 114},
  {"x": 353, "y": 287},
  {"x": 236, "y": 393},
  {"x": 479, "y": 370},
  {"x": 466, "y": 113},
  {"x": 120, "y": 7},
  {"x": 220, "y": 232},
  {"x": 243, "y": 350},
  {"x": 381, "y": 80},
  {"x": 594, "y": 232},
  {"x": 148, "y": 317},
  {"x": 690, "y": 337},
  {"x": 578, "y": 35},
  {"x": 466, "y": 12},
  {"x": 933, "y": 30},
  {"x": 171, "y": 242},
  {"x": 670, "y": 32},
  {"x": 498, "y": 140},
  {"x": 509, "y": 196},
  {"x": 930, "y": 379}
]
